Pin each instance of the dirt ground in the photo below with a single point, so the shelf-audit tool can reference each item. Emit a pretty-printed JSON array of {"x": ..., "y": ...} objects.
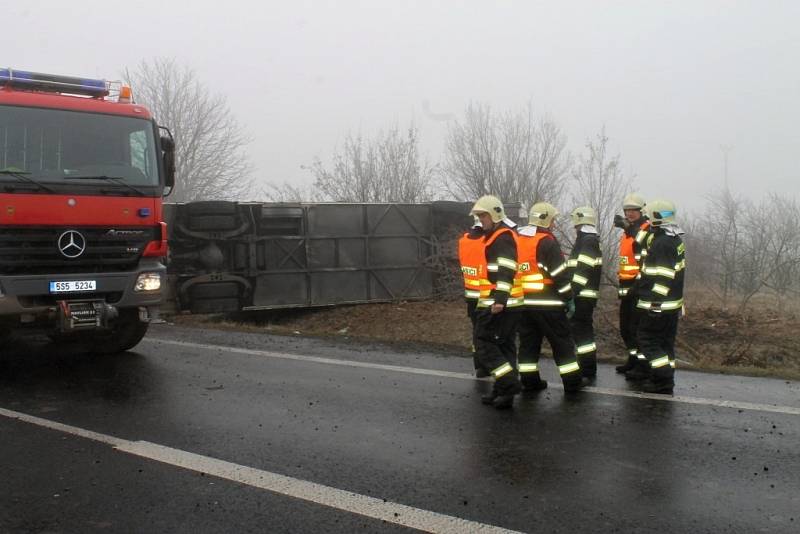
[{"x": 762, "y": 343}]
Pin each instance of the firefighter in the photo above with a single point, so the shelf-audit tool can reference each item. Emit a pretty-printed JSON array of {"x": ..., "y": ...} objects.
[
  {"x": 473, "y": 269},
  {"x": 585, "y": 266},
  {"x": 495, "y": 320},
  {"x": 635, "y": 226},
  {"x": 547, "y": 294},
  {"x": 661, "y": 296}
]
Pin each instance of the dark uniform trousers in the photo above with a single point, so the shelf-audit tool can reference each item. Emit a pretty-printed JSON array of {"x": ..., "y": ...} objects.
[
  {"x": 534, "y": 326},
  {"x": 583, "y": 334},
  {"x": 472, "y": 313},
  {"x": 495, "y": 345},
  {"x": 629, "y": 317},
  {"x": 656, "y": 336}
]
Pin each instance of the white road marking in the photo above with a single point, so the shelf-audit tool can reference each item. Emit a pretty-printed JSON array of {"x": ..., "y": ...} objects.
[
  {"x": 68, "y": 429},
  {"x": 774, "y": 408},
  {"x": 316, "y": 359},
  {"x": 347, "y": 501}
]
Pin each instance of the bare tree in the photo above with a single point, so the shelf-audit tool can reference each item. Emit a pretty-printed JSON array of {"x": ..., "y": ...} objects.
[
  {"x": 288, "y": 192},
  {"x": 387, "y": 168},
  {"x": 780, "y": 242},
  {"x": 702, "y": 254},
  {"x": 747, "y": 248},
  {"x": 754, "y": 237},
  {"x": 210, "y": 157},
  {"x": 725, "y": 239},
  {"x": 512, "y": 155},
  {"x": 600, "y": 183}
]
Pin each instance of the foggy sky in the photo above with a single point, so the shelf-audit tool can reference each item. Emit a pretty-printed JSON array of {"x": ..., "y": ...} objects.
[{"x": 671, "y": 82}]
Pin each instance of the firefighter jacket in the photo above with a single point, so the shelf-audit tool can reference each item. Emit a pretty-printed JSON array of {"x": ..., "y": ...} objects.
[
  {"x": 661, "y": 284},
  {"x": 542, "y": 274},
  {"x": 472, "y": 257},
  {"x": 632, "y": 248},
  {"x": 500, "y": 250},
  {"x": 585, "y": 264}
]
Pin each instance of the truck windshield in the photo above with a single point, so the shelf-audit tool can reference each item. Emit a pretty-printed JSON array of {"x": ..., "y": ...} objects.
[{"x": 55, "y": 147}]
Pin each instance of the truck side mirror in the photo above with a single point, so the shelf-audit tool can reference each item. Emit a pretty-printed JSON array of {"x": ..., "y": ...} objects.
[{"x": 168, "y": 153}]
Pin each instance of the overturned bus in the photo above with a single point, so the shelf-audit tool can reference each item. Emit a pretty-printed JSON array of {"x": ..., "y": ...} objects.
[{"x": 231, "y": 256}]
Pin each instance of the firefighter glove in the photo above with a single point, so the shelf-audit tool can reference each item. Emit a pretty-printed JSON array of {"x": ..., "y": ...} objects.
[
  {"x": 621, "y": 222},
  {"x": 570, "y": 308}
]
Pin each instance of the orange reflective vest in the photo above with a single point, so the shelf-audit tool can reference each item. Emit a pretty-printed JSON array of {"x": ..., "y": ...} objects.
[
  {"x": 487, "y": 286},
  {"x": 472, "y": 257},
  {"x": 529, "y": 279},
  {"x": 629, "y": 262}
]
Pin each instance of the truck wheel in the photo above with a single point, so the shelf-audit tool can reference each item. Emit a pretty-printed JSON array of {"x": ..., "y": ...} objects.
[{"x": 126, "y": 333}]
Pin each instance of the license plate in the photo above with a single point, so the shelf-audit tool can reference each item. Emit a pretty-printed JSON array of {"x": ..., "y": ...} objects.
[{"x": 73, "y": 286}]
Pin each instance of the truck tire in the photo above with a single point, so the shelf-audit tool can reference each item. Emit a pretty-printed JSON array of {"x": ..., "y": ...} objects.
[{"x": 126, "y": 333}]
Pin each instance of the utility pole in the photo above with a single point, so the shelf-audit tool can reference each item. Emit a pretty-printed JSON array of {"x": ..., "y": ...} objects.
[{"x": 725, "y": 150}]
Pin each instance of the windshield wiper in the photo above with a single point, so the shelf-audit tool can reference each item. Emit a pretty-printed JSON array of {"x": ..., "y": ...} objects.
[
  {"x": 22, "y": 176},
  {"x": 113, "y": 179}
]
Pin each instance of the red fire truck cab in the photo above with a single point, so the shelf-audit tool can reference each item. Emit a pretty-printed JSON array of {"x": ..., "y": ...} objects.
[{"x": 83, "y": 171}]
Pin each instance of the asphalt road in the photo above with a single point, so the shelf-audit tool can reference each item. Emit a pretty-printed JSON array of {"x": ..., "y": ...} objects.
[{"x": 208, "y": 431}]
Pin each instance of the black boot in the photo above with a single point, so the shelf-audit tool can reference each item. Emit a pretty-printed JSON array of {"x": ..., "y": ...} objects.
[
  {"x": 532, "y": 382},
  {"x": 489, "y": 397},
  {"x": 534, "y": 385},
  {"x": 628, "y": 365},
  {"x": 658, "y": 385},
  {"x": 573, "y": 382},
  {"x": 589, "y": 370},
  {"x": 503, "y": 402},
  {"x": 506, "y": 388},
  {"x": 639, "y": 372}
]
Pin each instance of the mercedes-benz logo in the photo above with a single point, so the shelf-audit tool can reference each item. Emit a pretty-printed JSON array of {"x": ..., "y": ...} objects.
[{"x": 71, "y": 244}]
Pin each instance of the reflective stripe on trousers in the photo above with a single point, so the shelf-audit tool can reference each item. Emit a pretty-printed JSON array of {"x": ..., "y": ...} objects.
[
  {"x": 660, "y": 362},
  {"x": 568, "y": 368},
  {"x": 667, "y": 305},
  {"x": 502, "y": 370}
]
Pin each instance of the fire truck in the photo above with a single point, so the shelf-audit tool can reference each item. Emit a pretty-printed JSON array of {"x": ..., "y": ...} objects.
[{"x": 83, "y": 170}]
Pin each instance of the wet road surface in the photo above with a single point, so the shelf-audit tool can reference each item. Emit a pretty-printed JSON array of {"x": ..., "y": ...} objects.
[{"x": 184, "y": 434}]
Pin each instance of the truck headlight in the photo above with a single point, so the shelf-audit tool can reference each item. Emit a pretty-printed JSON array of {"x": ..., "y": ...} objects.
[{"x": 148, "y": 282}]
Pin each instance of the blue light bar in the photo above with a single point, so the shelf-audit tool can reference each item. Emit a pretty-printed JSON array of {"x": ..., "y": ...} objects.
[{"x": 54, "y": 83}]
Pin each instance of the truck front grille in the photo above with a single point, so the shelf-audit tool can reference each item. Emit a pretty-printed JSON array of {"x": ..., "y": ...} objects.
[{"x": 38, "y": 250}]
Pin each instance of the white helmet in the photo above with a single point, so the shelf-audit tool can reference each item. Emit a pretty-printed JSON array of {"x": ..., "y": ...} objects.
[
  {"x": 583, "y": 215},
  {"x": 542, "y": 214},
  {"x": 633, "y": 202},
  {"x": 661, "y": 212},
  {"x": 491, "y": 205}
]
